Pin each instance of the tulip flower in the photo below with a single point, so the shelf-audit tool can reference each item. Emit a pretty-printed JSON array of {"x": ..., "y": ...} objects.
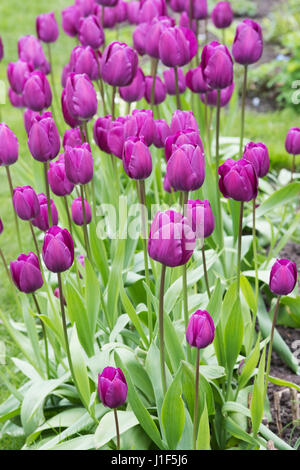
[
  {"x": 162, "y": 131},
  {"x": 79, "y": 164},
  {"x": 47, "y": 27},
  {"x": 248, "y": 43},
  {"x": 199, "y": 9},
  {"x": 153, "y": 31},
  {"x": 107, "y": 3},
  {"x": 201, "y": 218},
  {"x": 91, "y": 32},
  {"x": 133, "y": 11},
  {"x": 258, "y": 155},
  {"x": 37, "y": 92},
  {"x": 43, "y": 139},
  {"x": 121, "y": 11},
  {"x": 159, "y": 93},
  {"x": 77, "y": 212},
  {"x": 59, "y": 183},
  {"x": 81, "y": 97},
  {"x": 186, "y": 136},
  {"x": 1, "y": 227},
  {"x": 64, "y": 75},
  {"x": 70, "y": 20},
  {"x": 217, "y": 65},
  {"x": 137, "y": 161},
  {"x": 210, "y": 97},
  {"x": 183, "y": 120},
  {"x": 170, "y": 81},
  {"x": 178, "y": 5},
  {"x": 177, "y": 46},
  {"x": 1, "y": 49},
  {"x": 283, "y": 277},
  {"x": 186, "y": 168},
  {"x": 68, "y": 117},
  {"x": 86, "y": 7},
  {"x": 17, "y": 74},
  {"x": 58, "y": 250},
  {"x": 195, "y": 81},
  {"x": 26, "y": 273},
  {"x": 26, "y": 203},
  {"x": 16, "y": 101},
  {"x": 101, "y": 129},
  {"x": 141, "y": 124},
  {"x": 185, "y": 22},
  {"x": 109, "y": 19},
  {"x": 138, "y": 37},
  {"x": 30, "y": 50},
  {"x": 9, "y": 146},
  {"x": 56, "y": 293},
  {"x": 136, "y": 90},
  {"x": 72, "y": 137},
  {"x": 222, "y": 15},
  {"x": 84, "y": 60},
  {"x": 238, "y": 180},
  {"x": 292, "y": 146},
  {"x": 150, "y": 9},
  {"x": 42, "y": 220},
  {"x": 118, "y": 64}
]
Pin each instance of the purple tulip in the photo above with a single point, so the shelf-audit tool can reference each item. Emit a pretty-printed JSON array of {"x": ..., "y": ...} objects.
[
  {"x": 107, "y": 3},
  {"x": 171, "y": 239},
  {"x": 79, "y": 164},
  {"x": 140, "y": 124},
  {"x": 121, "y": 11},
  {"x": 184, "y": 22},
  {"x": 201, "y": 218},
  {"x": 72, "y": 137},
  {"x": 70, "y": 20},
  {"x": 116, "y": 136},
  {"x": 210, "y": 98},
  {"x": 81, "y": 97},
  {"x": 247, "y": 46},
  {"x": 101, "y": 129},
  {"x": 84, "y": 60},
  {"x": 150, "y": 9},
  {"x": 26, "y": 273},
  {"x": 1, "y": 49},
  {"x": 58, "y": 181},
  {"x": 56, "y": 293},
  {"x": 119, "y": 64},
  {"x": 283, "y": 277},
  {"x": 177, "y": 46},
  {"x": 47, "y": 27},
  {"x": 17, "y": 101},
  {"x": 58, "y": 250},
  {"x": 136, "y": 90},
  {"x": 178, "y": 5},
  {"x": 162, "y": 131},
  {"x": 42, "y": 221},
  {"x": 112, "y": 387},
  {"x": 37, "y": 92},
  {"x": 186, "y": 168},
  {"x": 138, "y": 37},
  {"x": 29, "y": 117},
  {"x": 91, "y": 32},
  {"x": 17, "y": 74},
  {"x": 9, "y": 146},
  {"x": 186, "y": 136},
  {"x": 195, "y": 81},
  {"x": 1, "y": 227},
  {"x": 77, "y": 212},
  {"x": 64, "y": 75},
  {"x": 44, "y": 139},
  {"x": 199, "y": 10},
  {"x": 238, "y": 180},
  {"x": 137, "y": 161},
  {"x": 81, "y": 259},
  {"x": 26, "y": 203},
  {"x": 110, "y": 17},
  {"x": 160, "y": 90},
  {"x": 154, "y": 30},
  {"x": 166, "y": 184},
  {"x": 217, "y": 65},
  {"x": 258, "y": 155},
  {"x": 169, "y": 78},
  {"x": 133, "y": 8},
  {"x": 86, "y": 7},
  {"x": 200, "y": 331},
  {"x": 68, "y": 117},
  {"x": 222, "y": 15},
  {"x": 183, "y": 120},
  {"x": 292, "y": 141},
  {"x": 30, "y": 50}
]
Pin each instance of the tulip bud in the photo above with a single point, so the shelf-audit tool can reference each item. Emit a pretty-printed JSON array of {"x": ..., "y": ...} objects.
[
  {"x": 1, "y": 49},
  {"x": 162, "y": 131},
  {"x": 258, "y": 155},
  {"x": 116, "y": 136},
  {"x": 183, "y": 120},
  {"x": 58, "y": 250},
  {"x": 58, "y": 181},
  {"x": 186, "y": 168},
  {"x": 17, "y": 74},
  {"x": 187, "y": 136},
  {"x": 30, "y": 50},
  {"x": 101, "y": 129},
  {"x": 143, "y": 125},
  {"x": 119, "y": 64},
  {"x": 200, "y": 331},
  {"x": 44, "y": 139},
  {"x": 42, "y": 220},
  {"x": 9, "y": 146},
  {"x": 153, "y": 31},
  {"x": 171, "y": 239},
  {"x": 77, "y": 212},
  {"x": 1, "y": 227},
  {"x": 84, "y": 60},
  {"x": 91, "y": 32},
  {"x": 56, "y": 293},
  {"x": 222, "y": 15},
  {"x": 81, "y": 97},
  {"x": 177, "y": 46},
  {"x": 283, "y": 277},
  {"x": 70, "y": 20},
  {"x": 133, "y": 11},
  {"x": 79, "y": 164},
  {"x": 16, "y": 101},
  {"x": 72, "y": 137},
  {"x": 195, "y": 81},
  {"x": 136, "y": 90},
  {"x": 29, "y": 117},
  {"x": 86, "y": 7},
  {"x": 26, "y": 273},
  {"x": 184, "y": 22},
  {"x": 121, "y": 11},
  {"x": 238, "y": 180},
  {"x": 26, "y": 203},
  {"x": 110, "y": 18},
  {"x": 292, "y": 141},
  {"x": 150, "y": 9},
  {"x": 210, "y": 98},
  {"x": 199, "y": 10},
  {"x": 169, "y": 77},
  {"x": 247, "y": 46},
  {"x": 178, "y": 5},
  {"x": 160, "y": 90},
  {"x": 138, "y": 37},
  {"x": 217, "y": 65},
  {"x": 37, "y": 92},
  {"x": 107, "y": 3},
  {"x": 201, "y": 218},
  {"x": 112, "y": 387},
  {"x": 167, "y": 186},
  {"x": 137, "y": 161},
  {"x": 68, "y": 117},
  {"x": 47, "y": 28},
  {"x": 64, "y": 75}
]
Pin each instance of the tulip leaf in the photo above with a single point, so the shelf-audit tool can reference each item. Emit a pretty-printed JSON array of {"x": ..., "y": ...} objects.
[
  {"x": 92, "y": 297},
  {"x": 203, "y": 436},
  {"x": 99, "y": 254},
  {"x": 250, "y": 364},
  {"x": 80, "y": 371},
  {"x": 106, "y": 430},
  {"x": 173, "y": 422},
  {"x": 233, "y": 334},
  {"x": 257, "y": 402}
]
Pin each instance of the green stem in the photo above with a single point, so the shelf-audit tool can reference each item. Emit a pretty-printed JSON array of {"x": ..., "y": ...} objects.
[
  {"x": 293, "y": 168},
  {"x": 35, "y": 243},
  {"x": 271, "y": 346},
  {"x": 53, "y": 85},
  {"x": 239, "y": 249},
  {"x": 114, "y": 90},
  {"x": 154, "y": 66},
  {"x": 117, "y": 428},
  {"x": 178, "y": 103},
  {"x": 196, "y": 404},
  {"x": 68, "y": 215},
  {"x": 185, "y": 196},
  {"x": 50, "y": 222},
  {"x": 87, "y": 139},
  {"x": 161, "y": 329},
  {"x": 205, "y": 272},
  {"x": 85, "y": 231},
  {"x": 44, "y": 334},
  {"x": 255, "y": 262},
  {"x": 244, "y": 91},
  {"x": 15, "y": 215}
]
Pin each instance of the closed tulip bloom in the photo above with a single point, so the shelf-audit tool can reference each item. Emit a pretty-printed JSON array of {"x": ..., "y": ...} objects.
[
  {"x": 169, "y": 78},
  {"x": 247, "y": 46},
  {"x": 1, "y": 226},
  {"x": 91, "y": 32},
  {"x": 64, "y": 75},
  {"x": 217, "y": 65},
  {"x": 37, "y": 92},
  {"x": 121, "y": 11},
  {"x": 222, "y": 15},
  {"x": 186, "y": 136},
  {"x": 195, "y": 81},
  {"x": 292, "y": 141},
  {"x": 178, "y": 5},
  {"x": 177, "y": 46},
  {"x": 56, "y": 293},
  {"x": 1, "y": 49},
  {"x": 200, "y": 331},
  {"x": 166, "y": 184},
  {"x": 138, "y": 37},
  {"x": 77, "y": 213},
  {"x": 183, "y": 120},
  {"x": 238, "y": 180},
  {"x": 44, "y": 139},
  {"x": 58, "y": 181},
  {"x": 112, "y": 387},
  {"x": 211, "y": 97},
  {"x": 154, "y": 30},
  {"x": 70, "y": 20},
  {"x": 79, "y": 164},
  {"x": 201, "y": 218},
  {"x": 47, "y": 27},
  {"x": 160, "y": 90},
  {"x": 26, "y": 203},
  {"x": 81, "y": 97},
  {"x": 42, "y": 220},
  {"x": 162, "y": 131},
  {"x": 150, "y": 9},
  {"x": 186, "y": 168},
  {"x": 283, "y": 277},
  {"x": 258, "y": 155},
  {"x": 9, "y": 146},
  {"x": 17, "y": 101},
  {"x": 184, "y": 22},
  {"x": 137, "y": 161},
  {"x": 140, "y": 124},
  {"x": 30, "y": 50},
  {"x": 199, "y": 10},
  {"x": 68, "y": 117},
  {"x": 119, "y": 64},
  {"x": 29, "y": 117},
  {"x": 136, "y": 90},
  {"x": 58, "y": 250},
  {"x": 116, "y": 136},
  {"x": 171, "y": 239},
  {"x": 133, "y": 8},
  {"x": 72, "y": 137},
  {"x": 100, "y": 131},
  {"x": 86, "y": 7},
  {"x": 17, "y": 74},
  {"x": 110, "y": 17},
  {"x": 107, "y": 3},
  {"x": 84, "y": 60},
  {"x": 26, "y": 273}
]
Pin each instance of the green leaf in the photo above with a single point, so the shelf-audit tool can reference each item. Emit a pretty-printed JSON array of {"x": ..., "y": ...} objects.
[
  {"x": 80, "y": 371},
  {"x": 173, "y": 422},
  {"x": 99, "y": 254},
  {"x": 250, "y": 364},
  {"x": 215, "y": 303},
  {"x": 130, "y": 310},
  {"x": 233, "y": 335},
  {"x": 203, "y": 436},
  {"x": 173, "y": 345},
  {"x": 248, "y": 293},
  {"x": 92, "y": 297},
  {"x": 283, "y": 383},
  {"x": 257, "y": 402},
  {"x": 106, "y": 430}
]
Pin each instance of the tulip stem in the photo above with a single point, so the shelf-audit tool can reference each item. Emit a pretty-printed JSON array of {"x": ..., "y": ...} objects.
[
  {"x": 219, "y": 218},
  {"x": 117, "y": 428},
  {"x": 68, "y": 215},
  {"x": 35, "y": 243},
  {"x": 87, "y": 140},
  {"x": 44, "y": 334},
  {"x": 255, "y": 262},
  {"x": 205, "y": 272},
  {"x": 53, "y": 85},
  {"x": 293, "y": 168},
  {"x": 244, "y": 91},
  {"x": 114, "y": 90},
  {"x": 178, "y": 103},
  {"x": 271, "y": 346},
  {"x": 161, "y": 329},
  {"x": 196, "y": 403},
  {"x": 50, "y": 222},
  {"x": 239, "y": 249},
  {"x": 154, "y": 66},
  {"x": 85, "y": 231},
  {"x": 15, "y": 215}
]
